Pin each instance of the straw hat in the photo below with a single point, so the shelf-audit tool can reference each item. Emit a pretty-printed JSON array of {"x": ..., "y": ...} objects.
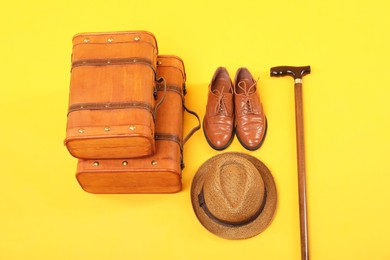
[{"x": 234, "y": 195}]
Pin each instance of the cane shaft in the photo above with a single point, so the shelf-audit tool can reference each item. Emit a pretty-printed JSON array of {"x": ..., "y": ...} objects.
[{"x": 301, "y": 170}]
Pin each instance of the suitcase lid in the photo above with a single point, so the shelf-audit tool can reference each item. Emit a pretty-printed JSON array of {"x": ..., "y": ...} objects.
[
  {"x": 115, "y": 37},
  {"x": 172, "y": 61}
]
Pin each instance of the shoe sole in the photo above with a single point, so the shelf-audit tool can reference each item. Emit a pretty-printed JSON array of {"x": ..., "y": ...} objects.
[
  {"x": 262, "y": 141},
  {"x": 215, "y": 147}
]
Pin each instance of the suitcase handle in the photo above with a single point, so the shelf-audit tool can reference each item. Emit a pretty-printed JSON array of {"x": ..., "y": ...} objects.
[
  {"x": 193, "y": 130},
  {"x": 161, "y": 136},
  {"x": 196, "y": 128},
  {"x": 177, "y": 89},
  {"x": 160, "y": 80}
]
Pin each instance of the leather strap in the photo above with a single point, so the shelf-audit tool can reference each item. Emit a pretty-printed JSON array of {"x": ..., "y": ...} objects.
[
  {"x": 177, "y": 89},
  {"x": 174, "y": 138},
  {"x": 193, "y": 130},
  {"x": 202, "y": 204},
  {"x": 160, "y": 80},
  {"x": 169, "y": 137},
  {"x": 109, "y": 106},
  {"x": 115, "y": 61},
  {"x": 170, "y": 87}
]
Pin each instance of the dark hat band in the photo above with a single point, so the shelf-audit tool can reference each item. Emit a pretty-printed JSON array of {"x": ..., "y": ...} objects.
[{"x": 202, "y": 204}]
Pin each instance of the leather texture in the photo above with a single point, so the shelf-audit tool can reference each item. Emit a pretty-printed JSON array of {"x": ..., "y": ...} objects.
[
  {"x": 160, "y": 172},
  {"x": 218, "y": 122},
  {"x": 111, "y": 101},
  {"x": 249, "y": 113}
]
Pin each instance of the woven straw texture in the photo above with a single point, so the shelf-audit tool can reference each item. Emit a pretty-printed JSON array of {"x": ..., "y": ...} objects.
[{"x": 236, "y": 188}]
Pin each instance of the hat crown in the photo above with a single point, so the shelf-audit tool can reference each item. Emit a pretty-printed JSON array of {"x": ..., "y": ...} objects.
[{"x": 234, "y": 190}]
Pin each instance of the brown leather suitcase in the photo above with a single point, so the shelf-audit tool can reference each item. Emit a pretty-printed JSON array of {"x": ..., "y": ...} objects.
[
  {"x": 161, "y": 172},
  {"x": 112, "y": 89}
]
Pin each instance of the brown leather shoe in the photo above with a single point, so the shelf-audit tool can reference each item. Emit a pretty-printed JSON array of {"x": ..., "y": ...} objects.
[
  {"x": 251, "y": 123},
  {"x": 218, "y": 122}
]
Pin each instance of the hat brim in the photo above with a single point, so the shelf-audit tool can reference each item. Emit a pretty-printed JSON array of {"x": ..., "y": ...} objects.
[{"x": 236, "y": 232}]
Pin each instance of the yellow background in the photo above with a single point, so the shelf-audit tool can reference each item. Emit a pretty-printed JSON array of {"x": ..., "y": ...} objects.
[{"x": 44, "y": 214}]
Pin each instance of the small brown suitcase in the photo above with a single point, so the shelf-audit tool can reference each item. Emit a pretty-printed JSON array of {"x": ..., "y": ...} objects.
[
  {"x": 161, "y": 172},
  {"x": 111, "y": 101}
]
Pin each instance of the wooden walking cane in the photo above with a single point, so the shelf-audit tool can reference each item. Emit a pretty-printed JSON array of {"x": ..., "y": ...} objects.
[{"x": 298, "y": 73}]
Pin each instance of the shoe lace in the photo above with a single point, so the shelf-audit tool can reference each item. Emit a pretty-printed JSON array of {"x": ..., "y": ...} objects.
[
  {"x": 247, "y": 97},
  {"x": 220, "y": 108}
]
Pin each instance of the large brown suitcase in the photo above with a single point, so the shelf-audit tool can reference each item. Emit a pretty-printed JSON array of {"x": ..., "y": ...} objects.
[
  {"x": 112, "y": 89},
  {"x": 161, "y": 172}
]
